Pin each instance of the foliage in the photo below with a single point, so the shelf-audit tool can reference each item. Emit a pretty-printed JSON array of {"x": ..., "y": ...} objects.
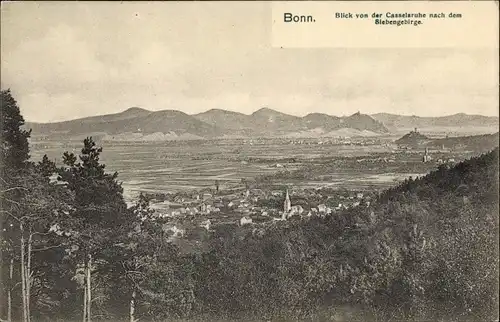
[
  {"x": 14, "y": 149},
  {"x": 424, "y": 250}
]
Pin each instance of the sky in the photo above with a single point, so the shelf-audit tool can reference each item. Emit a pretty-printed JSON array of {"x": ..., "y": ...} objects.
[{"x": 66, "y": 60}]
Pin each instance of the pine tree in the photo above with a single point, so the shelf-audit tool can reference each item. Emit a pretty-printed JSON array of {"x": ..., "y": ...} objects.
[
  {"x": 14, "y": 156},
  {"x": 14, "y": 147},
  {"x": 98, "y": 209},
  {"x": 28, "y": 206},
  {"x": 46, "y": 167}
]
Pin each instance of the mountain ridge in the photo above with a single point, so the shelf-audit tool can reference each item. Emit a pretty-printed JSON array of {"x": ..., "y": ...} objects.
[
  {"x": 215, "y": 123},
  {"x": 380, "y": 115},
  {"x": 412, "y": 121}
]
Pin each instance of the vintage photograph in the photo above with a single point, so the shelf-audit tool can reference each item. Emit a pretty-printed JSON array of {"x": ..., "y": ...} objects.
[{"x": 164, "y": 161}]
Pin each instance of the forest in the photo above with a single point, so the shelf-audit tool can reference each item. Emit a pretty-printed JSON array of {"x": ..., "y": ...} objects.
[{"x": 72, "y": 250}]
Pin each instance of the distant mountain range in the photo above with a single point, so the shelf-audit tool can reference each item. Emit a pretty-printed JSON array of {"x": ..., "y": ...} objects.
[
  {"x": 132, "y": 120},
  {"x": 140, "y": 124},
  {"x": 393, "y": 121},
  {"x": 269, "y": 122}
]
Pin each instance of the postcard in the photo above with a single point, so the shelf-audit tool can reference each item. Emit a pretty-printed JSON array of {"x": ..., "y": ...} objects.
[{"x": 249, "y": 161}]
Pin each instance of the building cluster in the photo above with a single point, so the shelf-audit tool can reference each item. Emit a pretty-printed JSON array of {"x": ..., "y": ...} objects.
[
  {"x": 321, "y": 210},
  {"x": 188, "y": 212},
  {"x": 426, "y": 157},
  {"x": 207, "y": 204}
]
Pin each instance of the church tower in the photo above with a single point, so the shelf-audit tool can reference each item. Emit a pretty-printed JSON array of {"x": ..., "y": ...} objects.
[{"x": 288, "y": 204}]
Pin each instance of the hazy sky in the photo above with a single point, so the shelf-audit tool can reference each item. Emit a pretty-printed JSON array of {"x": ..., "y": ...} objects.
[{"x": 64, "y": 60}]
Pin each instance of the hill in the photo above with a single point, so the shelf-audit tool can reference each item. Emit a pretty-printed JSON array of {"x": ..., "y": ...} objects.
[
  {"x": 265, "y": 122},
  {"x": 362, "y": 122},
  {"x": 133, "y": 120},
  {"x": 412, "y": 138},
  {"x": 393, "y": 121},
  {"x": 237, "y": 122},
  {"x": 271, "y": 122},
  {"x": 136, "y": 123}
]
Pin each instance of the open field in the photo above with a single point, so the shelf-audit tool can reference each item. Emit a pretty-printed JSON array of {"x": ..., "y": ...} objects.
[{"x": 176, "y": 166}]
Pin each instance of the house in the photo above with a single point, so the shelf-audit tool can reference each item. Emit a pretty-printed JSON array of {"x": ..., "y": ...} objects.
[
  {"x": 179, "y": 199},
  {"x": 206, "y": 224},
  {"x": 54, "y": 179},
  {"x": 297, "y": 209},
  {"x": 245, "y": 221},
  {"x": 174, "y": 232}
]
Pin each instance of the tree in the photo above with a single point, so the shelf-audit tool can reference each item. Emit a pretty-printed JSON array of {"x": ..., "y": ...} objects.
[
  {"x": 133, "y": 251},
  {"x": 28, "y": 203},
  {"x": 46, "y": 167},
  {"x": 145, "y": 269},
  {"x": 14, "y": 159},
  {"x": 98, "y": 210},
  {"x": 42, "y": 206},
  {"x": 14, "y": 147}
]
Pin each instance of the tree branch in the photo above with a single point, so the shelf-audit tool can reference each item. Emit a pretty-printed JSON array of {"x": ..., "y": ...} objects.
[
  {"x": 39, "y": 233},
  {"x": 45, "y": 248},
  {"x": 13, "y": 188},
  {"x": 13, "y": 201},
  {"x": 10, "y": 214}
]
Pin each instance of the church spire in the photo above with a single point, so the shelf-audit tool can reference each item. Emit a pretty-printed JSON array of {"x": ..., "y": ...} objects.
[{"x": 288, "y": 204}]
